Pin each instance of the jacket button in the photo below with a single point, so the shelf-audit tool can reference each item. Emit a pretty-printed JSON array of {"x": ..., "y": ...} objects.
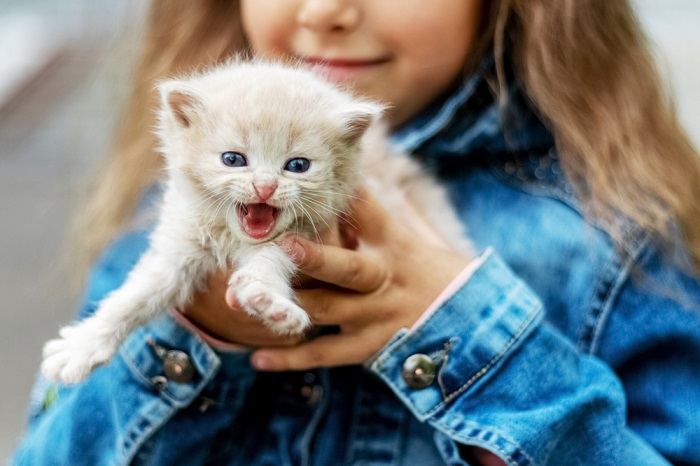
[
  {"x": 418, "y": 370},
  {"x": 178, "y": 366}
]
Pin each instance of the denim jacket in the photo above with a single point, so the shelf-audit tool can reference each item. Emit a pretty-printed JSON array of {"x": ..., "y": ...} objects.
[{"x": 560, "y": 349}]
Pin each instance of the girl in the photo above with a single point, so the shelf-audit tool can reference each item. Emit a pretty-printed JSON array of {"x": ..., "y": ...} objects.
[{"x": 573, "y": 337}]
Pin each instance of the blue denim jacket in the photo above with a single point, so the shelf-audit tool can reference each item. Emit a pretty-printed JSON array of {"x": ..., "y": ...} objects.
[{"x": 553, "y": 352}]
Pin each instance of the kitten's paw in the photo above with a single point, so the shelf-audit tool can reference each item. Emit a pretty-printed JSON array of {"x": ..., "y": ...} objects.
[
  {"x": 253, "y": 296},
  {"x": 277, "y": 311},
  {"x": 241, "y": 278},
  {"x": 71, "y": 358},
  {"x": 286, "y": 318}
]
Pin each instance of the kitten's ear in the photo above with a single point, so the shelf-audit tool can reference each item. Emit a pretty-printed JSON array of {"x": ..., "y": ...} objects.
[
  {"x": 357, "y": 118},
  {"x": 181, "y": 101}
]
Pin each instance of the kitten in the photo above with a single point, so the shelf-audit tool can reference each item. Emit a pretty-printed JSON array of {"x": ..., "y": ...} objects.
[{"x": 252, "y": 150}]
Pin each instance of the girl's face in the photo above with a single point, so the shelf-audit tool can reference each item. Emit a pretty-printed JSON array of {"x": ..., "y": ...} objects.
[{"x": 402, "y": 52}]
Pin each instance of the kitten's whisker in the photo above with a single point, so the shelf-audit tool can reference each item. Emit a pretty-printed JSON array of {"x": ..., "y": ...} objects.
[
  {"x": 225, "y": 203},
  {"x": 296, "y": 220},
  {"x": 336, "y": 193},
  {"x": 209, "y": 200},
  {"x": 219, "y": 206},
  {"x": 343, "y": 215},
  {"x": 311, "y": 220},
  {"x": 327, "y": 207},
  {"x": 320, "y": 216},
  {"x": 228, "y": 209}
]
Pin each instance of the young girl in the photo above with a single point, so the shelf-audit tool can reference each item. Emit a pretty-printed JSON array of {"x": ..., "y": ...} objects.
[{"x": 573, "y": 337}]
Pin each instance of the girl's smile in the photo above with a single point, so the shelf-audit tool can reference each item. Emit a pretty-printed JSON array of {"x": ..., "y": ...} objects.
[
  {"x": 384, "y": 49},
  {"x": 344, "y": 70}
]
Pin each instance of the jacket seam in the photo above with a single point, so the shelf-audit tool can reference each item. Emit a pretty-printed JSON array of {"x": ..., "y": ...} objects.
[
  {"x": 601, "y": 296},
  {"x": 613, "y": 292},
  {"x": 540, "y": 189},
  {"x": 172, "y": 408},
  {"x": 477, "y": 441},
  {"x": 632, "y": 234},
  {"x": 492, "y": 362},
  {"x": 410, "y": 336},
  {"x": 148, "y": 432}
]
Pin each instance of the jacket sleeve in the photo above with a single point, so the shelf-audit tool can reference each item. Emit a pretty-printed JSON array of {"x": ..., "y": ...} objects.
[
  {"x": 509, "y": 382},
  {"x": 106, "y": 418}
]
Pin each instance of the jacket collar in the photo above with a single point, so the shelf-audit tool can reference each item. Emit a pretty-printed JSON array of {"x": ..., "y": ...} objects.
[{"x": 467, "y": 121}]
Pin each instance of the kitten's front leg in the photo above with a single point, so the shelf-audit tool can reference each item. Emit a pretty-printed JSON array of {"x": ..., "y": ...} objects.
[
  {"x": 262, "y": 287},
  {"x": 156, "y": 283}
]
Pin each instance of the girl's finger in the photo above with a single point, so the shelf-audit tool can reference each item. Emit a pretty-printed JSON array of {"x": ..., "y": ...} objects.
[
  {"x": 328, "y": 307},
  {"x": 324, "y": 351},
  {"x": 342, "y": 267}
]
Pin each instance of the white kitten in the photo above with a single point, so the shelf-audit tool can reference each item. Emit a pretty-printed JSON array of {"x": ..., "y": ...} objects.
[{"x": 252, "y": 150}]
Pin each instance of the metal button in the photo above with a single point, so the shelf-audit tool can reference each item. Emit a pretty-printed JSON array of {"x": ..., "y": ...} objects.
[
  {"x": 178, "y": 366},
  {"x": 419, "y": 370},
  {"x": 312, "y": 394}
]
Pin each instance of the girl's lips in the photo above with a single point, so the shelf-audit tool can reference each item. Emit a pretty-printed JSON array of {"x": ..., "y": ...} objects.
[
  {"x": 341, "y": 70},
  {"x": 344, "y": 62}
]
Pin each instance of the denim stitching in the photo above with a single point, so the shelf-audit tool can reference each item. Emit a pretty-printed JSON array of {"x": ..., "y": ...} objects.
[
  {"x": 601, "y": 295},
  {"x": 140, "y": 376},
  {"x": 498, "y": 435},
  {"x": 311, "y": 429},
  {"x": 146, "y": 433},
  {"x": 127, "y": 357},
  {"x": 492, "y": 361},
  {"x": 389, "y": 352},
  {"x": 422, "y": 328},
  {"x": 440, "y": 358},
  {"x": 606, "y": 309},
  {"x": 551, "y": 191},
  {"x": 413, "y": 139},
  {"x": 537, "y": 312}
]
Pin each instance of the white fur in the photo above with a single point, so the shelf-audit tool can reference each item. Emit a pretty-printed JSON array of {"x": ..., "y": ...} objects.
[{"x": 269, "y": 112}]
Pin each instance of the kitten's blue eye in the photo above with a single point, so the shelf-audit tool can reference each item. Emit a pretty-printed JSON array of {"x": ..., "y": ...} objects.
[
  {"x": 297, "y": 165},
  {"x": 233, "y": 159}
]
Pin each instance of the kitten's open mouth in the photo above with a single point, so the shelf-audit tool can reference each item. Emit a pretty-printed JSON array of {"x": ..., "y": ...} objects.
[{"x": 258, "y": 220}]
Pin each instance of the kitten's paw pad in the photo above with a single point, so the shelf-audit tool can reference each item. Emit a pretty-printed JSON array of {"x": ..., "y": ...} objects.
[
  {"x": 260, "y": 301},
  {"x": 71, "y": 359},
  {"x": 278, "y": 315},
  {"x": 275, "y": 309},
  {"x": 286, "y": 318},
  {"x": 254, "y": 297},
  {"x": 241, "y": 279}
]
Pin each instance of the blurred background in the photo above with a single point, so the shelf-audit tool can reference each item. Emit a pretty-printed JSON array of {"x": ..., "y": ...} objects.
[{"x": 64, "y": 73}]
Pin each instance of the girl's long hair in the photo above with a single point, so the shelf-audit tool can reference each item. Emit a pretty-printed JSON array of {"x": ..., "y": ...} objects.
[{"x": 585, "y": 64}]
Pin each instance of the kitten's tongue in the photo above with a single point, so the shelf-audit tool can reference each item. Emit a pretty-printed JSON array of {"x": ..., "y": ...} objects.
[{"x": 258, "y": 219}]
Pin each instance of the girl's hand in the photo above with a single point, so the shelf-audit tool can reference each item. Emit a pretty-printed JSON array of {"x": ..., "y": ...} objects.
[
  {"x": 221, "y": 317},
  {"x": 372, "y": 292},
  {"x": 217, "y": 312}
]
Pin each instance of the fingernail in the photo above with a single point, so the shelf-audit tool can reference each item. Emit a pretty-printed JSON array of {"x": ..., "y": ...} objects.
[
  {"x": 297, "y": 252},
  {"x": 294, "y": 249},
  {"x": 262, "y": 362}
]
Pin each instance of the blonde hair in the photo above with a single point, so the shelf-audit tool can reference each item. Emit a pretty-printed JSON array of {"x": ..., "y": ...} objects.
[{"x": 585, "y": 64}]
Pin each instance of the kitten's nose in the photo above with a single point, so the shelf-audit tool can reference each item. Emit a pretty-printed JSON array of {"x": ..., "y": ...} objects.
[{"x": 265, "y": 191}]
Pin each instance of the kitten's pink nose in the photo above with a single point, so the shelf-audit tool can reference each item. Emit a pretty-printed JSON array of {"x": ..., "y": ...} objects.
[{"x": 265, "y": 191}]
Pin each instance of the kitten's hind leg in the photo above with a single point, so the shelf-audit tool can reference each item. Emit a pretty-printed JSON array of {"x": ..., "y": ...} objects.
[
  {"x": 262, "y": 287},
  {"x": 154, "y": 285}
]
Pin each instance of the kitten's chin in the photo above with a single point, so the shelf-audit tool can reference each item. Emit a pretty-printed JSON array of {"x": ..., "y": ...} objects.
[{"x": 258, "y": 220}]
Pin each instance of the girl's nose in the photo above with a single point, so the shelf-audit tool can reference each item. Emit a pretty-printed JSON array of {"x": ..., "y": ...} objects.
[{"x": 324, "y": 16}]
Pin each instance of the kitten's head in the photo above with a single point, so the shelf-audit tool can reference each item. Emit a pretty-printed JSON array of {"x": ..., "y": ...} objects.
[{"x": 265, "y": 146}]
